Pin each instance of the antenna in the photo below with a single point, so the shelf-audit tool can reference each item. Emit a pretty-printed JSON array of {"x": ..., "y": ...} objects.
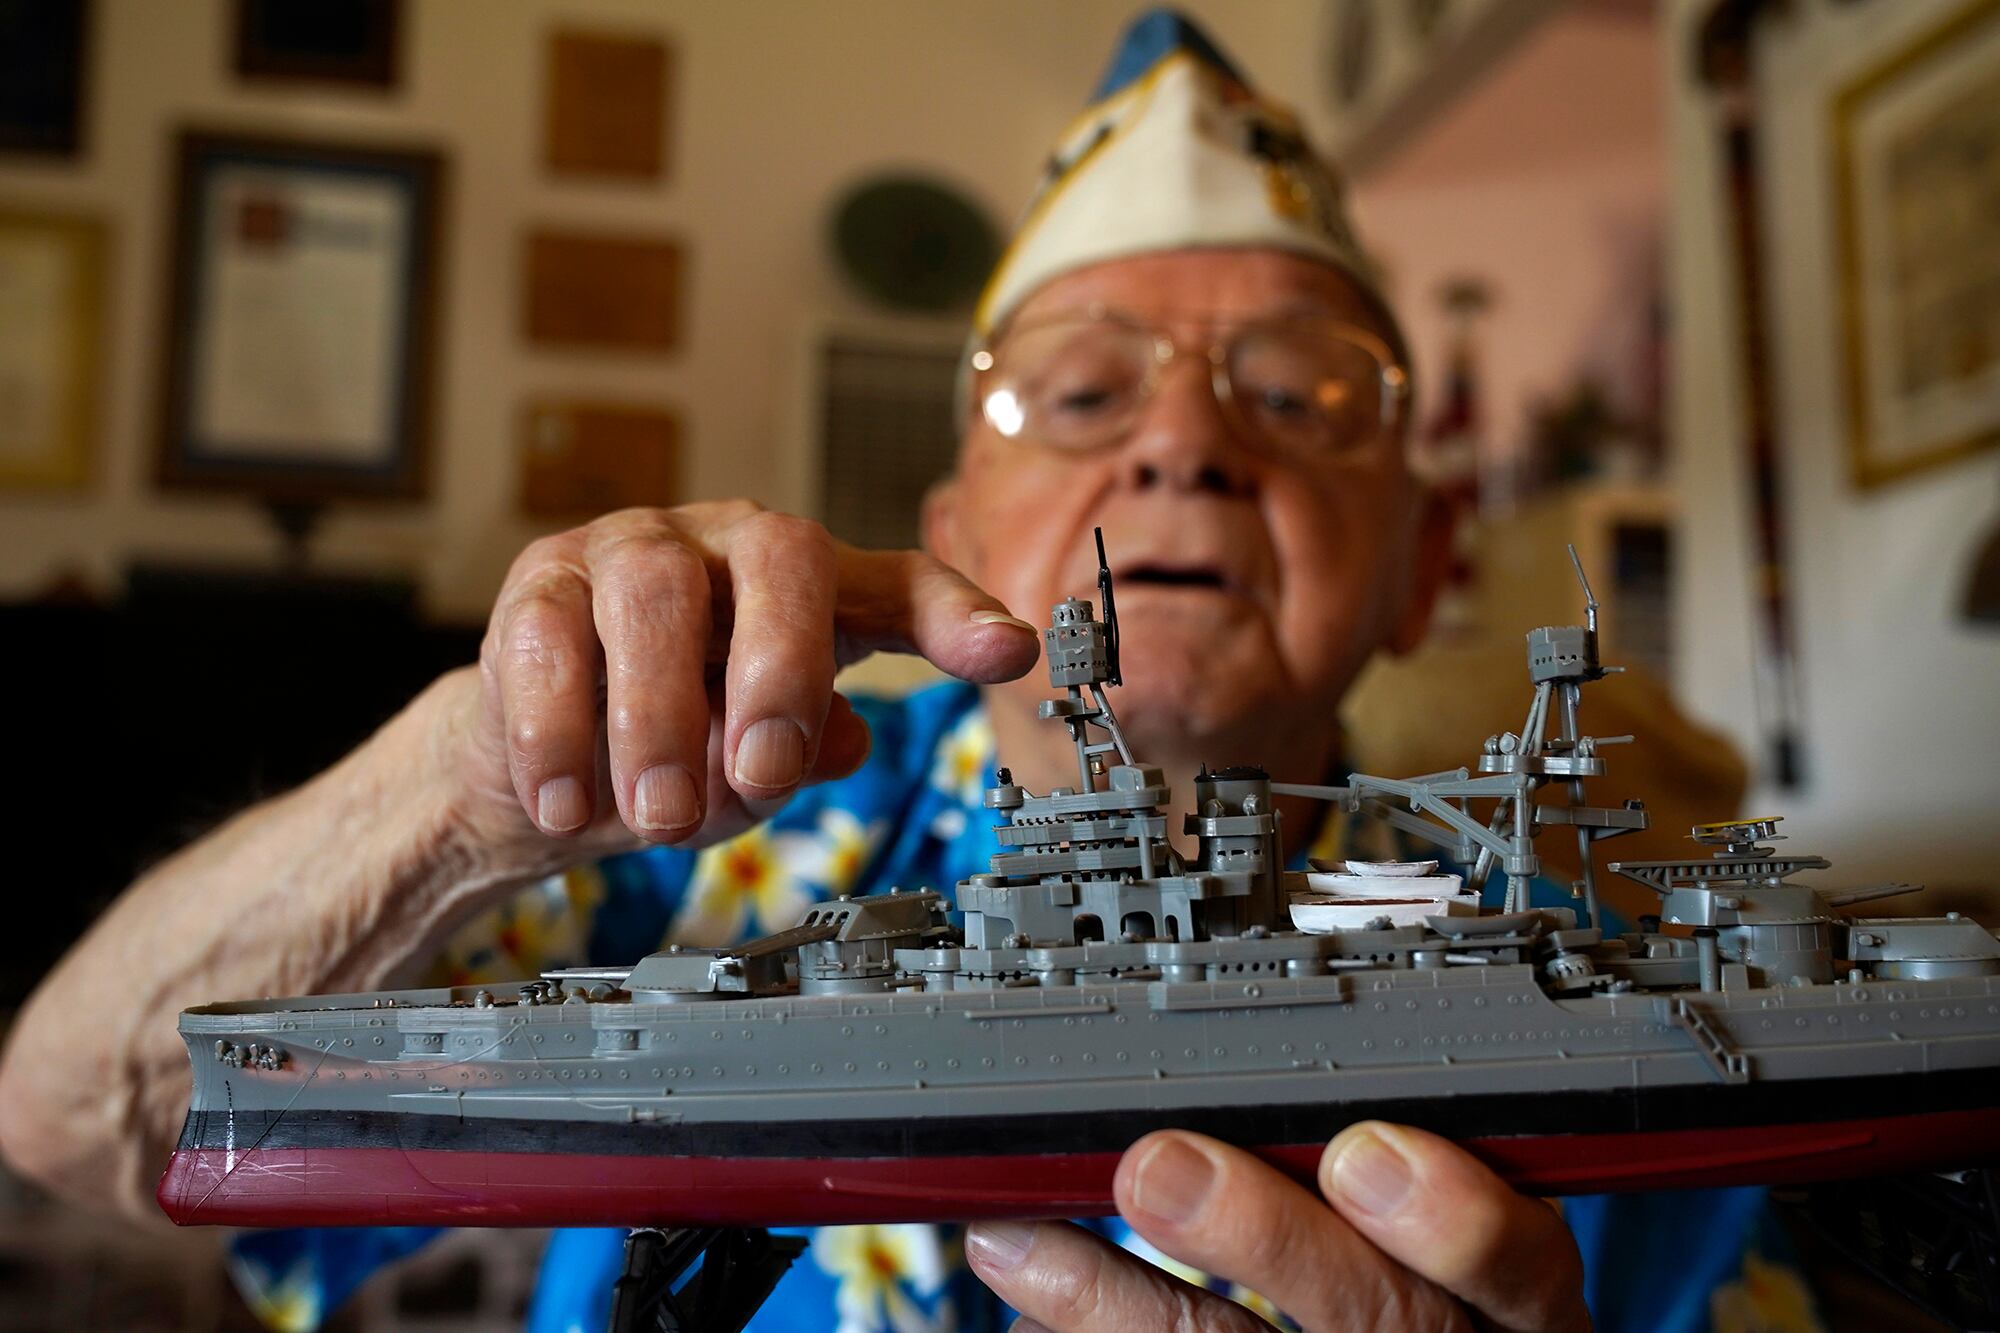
[
  {"x": 1589, "y": 597},
  {"x": 1111, "y": 612}
]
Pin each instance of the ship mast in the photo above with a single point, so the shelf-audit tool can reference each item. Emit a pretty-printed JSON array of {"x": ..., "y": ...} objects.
[{"x": 1083, "y": 658}]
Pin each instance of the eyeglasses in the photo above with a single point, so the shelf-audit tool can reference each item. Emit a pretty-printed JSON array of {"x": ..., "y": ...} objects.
[{"x": 1304, "y": 386}]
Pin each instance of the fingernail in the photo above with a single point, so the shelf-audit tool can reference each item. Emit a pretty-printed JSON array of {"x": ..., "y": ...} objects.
[
  {"x": 560, "y": 805},
  {"x": 1000, "y": 1244},
  {"x": 1371, "y": 1175},
  {"x": 1001, "y": 618},
  {"x": 663, "y": 799},
  {"x": 1173, "y": 1181},
  {"x": 772, "y": 753}
]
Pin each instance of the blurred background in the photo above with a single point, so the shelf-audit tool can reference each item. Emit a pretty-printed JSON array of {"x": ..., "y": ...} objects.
[{"x": 314, "y": 312}]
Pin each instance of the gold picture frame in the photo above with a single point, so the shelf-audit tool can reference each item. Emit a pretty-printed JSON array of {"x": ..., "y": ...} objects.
[
  {"x": 51, "y": 347},
  {"x": 1916, "y": 177}
]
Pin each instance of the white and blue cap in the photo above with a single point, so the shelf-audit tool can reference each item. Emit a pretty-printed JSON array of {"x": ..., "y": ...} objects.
[{"x": 1175, "y": 151}]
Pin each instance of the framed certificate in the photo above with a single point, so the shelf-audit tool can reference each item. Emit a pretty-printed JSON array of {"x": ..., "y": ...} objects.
[
  {"x": 1916, "y": 146},
  {"x": 298, "y": 345},
  {"x": 52, "y": 290}
]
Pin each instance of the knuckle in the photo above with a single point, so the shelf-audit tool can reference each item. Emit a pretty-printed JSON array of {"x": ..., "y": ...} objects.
[
  {"x": 1476, "y": 1225},
  {"x": 542, "y": 551},
  {"x": 787, "y": 538},
  {"x": 1402, "y": 1300},
  {"x": 720, "y": 513},
  {"x": 529, "y": 738},
  {"x": 635, "y": 518},
  {"x": 922, "y": 565},
  {"x": 1276, "y": 1243},
  {"x": 1079, "y": 1291},
  {"x": 636, "y": 571},
  {"x": 649, "y": 721},
  {"x": 539, "y": 633},
  {"x": 791, "y": 527}
]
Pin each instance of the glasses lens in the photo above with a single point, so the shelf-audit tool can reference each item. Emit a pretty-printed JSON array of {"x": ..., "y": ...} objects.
[
  {"x": 1072, "y": 385},
  {"x": 1307, "y": 388}
]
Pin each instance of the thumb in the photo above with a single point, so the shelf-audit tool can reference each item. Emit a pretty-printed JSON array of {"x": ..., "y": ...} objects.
[{"x": 1438, "y": 1211}]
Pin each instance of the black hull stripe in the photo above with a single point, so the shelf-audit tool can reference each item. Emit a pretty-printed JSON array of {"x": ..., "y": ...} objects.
[{"x": 1618, "y": 1111}]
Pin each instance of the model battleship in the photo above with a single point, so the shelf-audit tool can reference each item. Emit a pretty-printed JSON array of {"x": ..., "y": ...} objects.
[{"x": 881, "y": 1062}]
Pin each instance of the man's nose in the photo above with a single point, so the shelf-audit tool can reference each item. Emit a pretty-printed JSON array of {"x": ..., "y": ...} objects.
[{"x": 1184, "y": 439}]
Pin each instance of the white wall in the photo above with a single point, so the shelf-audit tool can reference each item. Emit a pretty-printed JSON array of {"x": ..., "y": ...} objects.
[
  {"x": 777, "y": 105},
  {"x": 1547, "y": 179},
  {"x": 1902, "y": 698}
]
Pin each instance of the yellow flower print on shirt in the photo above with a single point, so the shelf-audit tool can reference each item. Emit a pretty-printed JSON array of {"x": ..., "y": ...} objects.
[
  {"x": 832, "y": 855},
  {"x": 735, "y": 882},
  {"x": 1769, "y": 1298},
  {"x": 963, "y": 759},
  {"x": 772, "y": 876},
  {"x": 546, "y": 926},
  {"x": 290, "y": 1304},
  {"x": 873, "y": 1265}
]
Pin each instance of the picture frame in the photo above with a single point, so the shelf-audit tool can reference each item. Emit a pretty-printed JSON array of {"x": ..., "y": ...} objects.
[
  {"x": 52, "y": 283},
  {"x": 355, "y": 42},
  {"x": 300, "y": 323},
  {"x": 1916, "y": 178},
  {"x": 44, "y": 77}
]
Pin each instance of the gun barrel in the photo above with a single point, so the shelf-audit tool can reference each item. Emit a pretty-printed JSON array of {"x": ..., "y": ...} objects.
[{"x": 1845, "y": 897}]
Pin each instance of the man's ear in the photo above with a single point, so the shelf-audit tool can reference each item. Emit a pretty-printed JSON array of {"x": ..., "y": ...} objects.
[
  {"x": 940, "y": 526},
  {"x": 1430, "y": 569}
]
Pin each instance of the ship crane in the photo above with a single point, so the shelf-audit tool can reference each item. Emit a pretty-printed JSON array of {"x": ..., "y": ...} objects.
[{"x": 1513, "y": 767}]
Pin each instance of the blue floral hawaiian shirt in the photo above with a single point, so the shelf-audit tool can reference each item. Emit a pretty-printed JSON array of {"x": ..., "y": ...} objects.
[{"x": 1707, "y": 1259}]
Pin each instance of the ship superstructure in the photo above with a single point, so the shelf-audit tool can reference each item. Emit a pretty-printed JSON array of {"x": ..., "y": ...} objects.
[{"x": 882, "y": 1061}]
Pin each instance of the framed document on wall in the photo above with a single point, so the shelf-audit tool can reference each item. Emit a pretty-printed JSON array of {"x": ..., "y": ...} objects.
[
  {"x": 1916, "y": 146},
  {"x": 326, "y": 41},
  {"x": 51, "y": 343},
  {"x": 298, "y": 344}
]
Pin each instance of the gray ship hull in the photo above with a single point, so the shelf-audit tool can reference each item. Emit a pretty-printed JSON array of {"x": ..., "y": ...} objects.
[{"x": 424, "y": 1107}]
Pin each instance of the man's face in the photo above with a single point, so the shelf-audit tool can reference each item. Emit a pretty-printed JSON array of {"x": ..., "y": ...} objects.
[{"x": 1247, "y": 577}]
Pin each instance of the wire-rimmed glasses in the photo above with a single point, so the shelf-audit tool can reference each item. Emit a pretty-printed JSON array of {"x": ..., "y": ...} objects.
[{"x": 1303, "y": 385}]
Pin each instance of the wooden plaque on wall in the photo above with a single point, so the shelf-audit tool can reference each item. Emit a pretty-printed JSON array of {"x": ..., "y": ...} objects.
[
  {"x": 603, "y": 291},
  {"x": 607, "y": 104},
  {"x": 579, "y": 459}
]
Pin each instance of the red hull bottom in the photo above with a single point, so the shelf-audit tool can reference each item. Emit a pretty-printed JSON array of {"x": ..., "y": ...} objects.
[{"x": 380, "y": 1186}]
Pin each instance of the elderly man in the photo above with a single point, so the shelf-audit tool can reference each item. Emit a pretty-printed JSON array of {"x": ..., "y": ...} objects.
[{"x": 1184, "y": 346}]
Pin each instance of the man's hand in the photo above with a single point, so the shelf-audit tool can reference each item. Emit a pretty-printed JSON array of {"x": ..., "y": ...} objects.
[
  {"x": 668, "y": 673},
  {"x": 1418, "y": 1235}
]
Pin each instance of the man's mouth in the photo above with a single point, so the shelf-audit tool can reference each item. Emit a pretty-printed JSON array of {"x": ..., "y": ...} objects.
[{"x": 1176, "y": 576}]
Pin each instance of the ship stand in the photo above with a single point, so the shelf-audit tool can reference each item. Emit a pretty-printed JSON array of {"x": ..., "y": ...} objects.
[{"x": 697, "y": 1279}]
